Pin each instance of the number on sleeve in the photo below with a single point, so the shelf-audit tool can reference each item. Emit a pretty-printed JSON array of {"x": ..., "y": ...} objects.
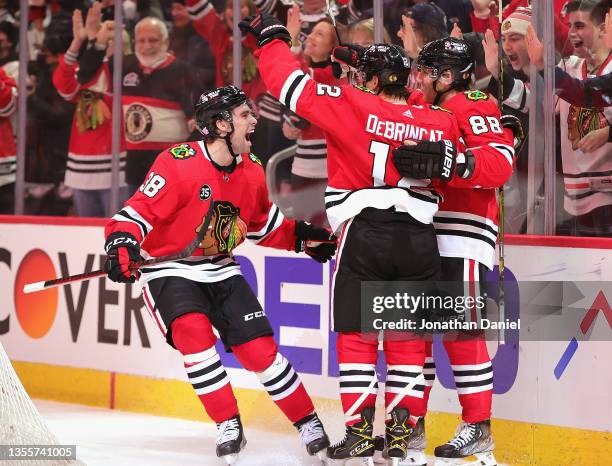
[
  {"x": 332, "y": 91},
  {"x": 153, "y": 184}
]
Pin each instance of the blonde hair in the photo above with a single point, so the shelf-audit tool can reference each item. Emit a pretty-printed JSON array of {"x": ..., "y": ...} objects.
[{"x": 366, "y": 26}]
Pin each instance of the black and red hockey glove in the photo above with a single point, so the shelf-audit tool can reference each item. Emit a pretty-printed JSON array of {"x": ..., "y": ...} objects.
[
  {"x": 426, "y": 160},
  {"x": 348, "y": 54},
  {"x": 265, "y": 28},
  {"x": 122, "y": 249},
  {"x": 317, "y": 242},
  {"x": 514, "y": 124}
]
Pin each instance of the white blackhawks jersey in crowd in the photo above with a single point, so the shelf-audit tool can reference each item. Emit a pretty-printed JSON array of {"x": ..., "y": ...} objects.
[
  {"x": 168, "y": 211},
  {"x": 587, "y": 176}
]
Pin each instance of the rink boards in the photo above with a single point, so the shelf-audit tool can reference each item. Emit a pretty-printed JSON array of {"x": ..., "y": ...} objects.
[{"x": 92, "y": 343}]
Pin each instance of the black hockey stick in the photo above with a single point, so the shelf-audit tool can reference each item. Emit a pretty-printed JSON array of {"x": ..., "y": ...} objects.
[{"x": 186, "y": 252}]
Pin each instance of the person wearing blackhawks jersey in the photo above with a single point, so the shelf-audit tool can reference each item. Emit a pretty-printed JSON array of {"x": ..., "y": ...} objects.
[
  {"x": 466, "y": 228},
  {"x": 187, "y": 298},
  {"x": 384, "y": 219}
]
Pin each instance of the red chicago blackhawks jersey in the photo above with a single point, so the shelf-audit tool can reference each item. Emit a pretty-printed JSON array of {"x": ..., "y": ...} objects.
[
  {"x": 467, "y": 222},
  {"x": 8, "y": 149},
  {"x": 168, "y": 210},
  {"x": 90, "y": 154},
  {"x": 361, "y": 129}
]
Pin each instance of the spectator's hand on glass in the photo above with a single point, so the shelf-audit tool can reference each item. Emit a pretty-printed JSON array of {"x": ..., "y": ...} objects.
[
  {"x": 291, "y": 132},
  {"x": 456, "y": 32},
  {"x": 294, "y": 25},
  {"x": 535, "y": 48},
  {"x": 106, "y": 33},
  {"x": 594, "y": 140},
  {"x": 406, "y": 33},
  {"x": 93, "y": 21},
  {"x": 78, "y": 30},
  {"x": 491, "y": 52}
]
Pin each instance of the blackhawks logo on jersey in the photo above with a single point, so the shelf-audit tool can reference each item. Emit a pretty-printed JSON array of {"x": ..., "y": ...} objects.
[
  {"x": 255, "y": 159},
  {"x": 182, "y": 151},
  {"x": 476, "y": 95},
  {"x": 226, "y": 231}
]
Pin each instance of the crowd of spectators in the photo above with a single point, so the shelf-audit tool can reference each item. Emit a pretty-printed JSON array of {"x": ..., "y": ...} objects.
[{"x": 175, "y": 50}]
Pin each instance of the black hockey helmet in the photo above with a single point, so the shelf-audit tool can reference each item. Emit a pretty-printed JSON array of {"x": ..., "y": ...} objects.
[
  {"x": 217, "y": 105},
  {"x": 389, "y": 62},
  {"x": 445, "y": 54}
]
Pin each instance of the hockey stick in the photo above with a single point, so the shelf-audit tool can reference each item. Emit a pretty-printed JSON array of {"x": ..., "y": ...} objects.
[
  {"x": 501, "y": 266},
  {"x": 186, "y": 252},
  {"x": 333, "y": 20}
]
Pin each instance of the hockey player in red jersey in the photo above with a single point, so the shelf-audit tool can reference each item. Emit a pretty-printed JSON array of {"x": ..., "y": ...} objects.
[
  {"x": 376, "y": 210},
  {"x": 187, "y": 298},
  {"x": 466, "y": 227}
]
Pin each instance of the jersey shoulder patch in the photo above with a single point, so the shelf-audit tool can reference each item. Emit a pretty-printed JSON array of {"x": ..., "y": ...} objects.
[
  {"x": 182, "y": 151},
  {"x": 255, "y": 159},
  {"x": 436, "y": 107},
  {"x": 475, "y": 95},
  {"x": 363, "y": 89}
]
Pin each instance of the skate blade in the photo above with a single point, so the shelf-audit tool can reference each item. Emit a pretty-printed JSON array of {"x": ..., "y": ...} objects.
[
  {"x": 322, "y": 457},
  {"x": 355, "y": 461},
  {"x": 394, "y": 461},
  {"x": 414, "y": 458},
  {"x": 482, "y": 459},
  {"x": 232, "y": 459}
]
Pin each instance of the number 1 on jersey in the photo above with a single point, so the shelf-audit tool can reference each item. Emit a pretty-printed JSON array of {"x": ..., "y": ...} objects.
[{"x": 380, "y": 151}]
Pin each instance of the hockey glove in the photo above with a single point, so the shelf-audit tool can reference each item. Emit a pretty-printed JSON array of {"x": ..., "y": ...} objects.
[
  {"x": 265, "y": 28},
  {"x": 318, "y": 243},
  {"x": 512, "y": 122},
  {"x": 426, "y": 160},
  {"x": 347, "y": 55},
  {"x": 122, "y": 249}
]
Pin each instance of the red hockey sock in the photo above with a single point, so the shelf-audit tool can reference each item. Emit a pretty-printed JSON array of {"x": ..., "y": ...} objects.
[
  {"x": 277, "y": 376},
  {"x": 357, "y": 354},
  {"x": 473, "y": 373},
  {"x": 405, "y": 383},
  {"x": 193, "y": 336}
]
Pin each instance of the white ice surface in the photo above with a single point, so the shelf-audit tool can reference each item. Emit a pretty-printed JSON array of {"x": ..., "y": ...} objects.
[
  {"x": 117, "y": 438},
  {"x": 107, "y": 437}
]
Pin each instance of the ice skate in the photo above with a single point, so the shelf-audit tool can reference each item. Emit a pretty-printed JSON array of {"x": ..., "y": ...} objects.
[
  {"x": 415, "y": 456},
  {"x": 313, "y": 435},
  {"x": 230, "y": 439},
  {"x": 397, "y": 431},
  {"x": 357, "y": 442},
  {"x": 470, "y": 440}
]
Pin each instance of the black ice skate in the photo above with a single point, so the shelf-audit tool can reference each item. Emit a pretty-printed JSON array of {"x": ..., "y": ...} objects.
[
  {"x": 470, "y": 439},
  {"x": 313, "y": 435},
  {"x": 415, "y": 456},
  {"x": 397, "y": 431},
  {"x": 357, "y": 442},
  {"x": 230, "y": 439}
]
